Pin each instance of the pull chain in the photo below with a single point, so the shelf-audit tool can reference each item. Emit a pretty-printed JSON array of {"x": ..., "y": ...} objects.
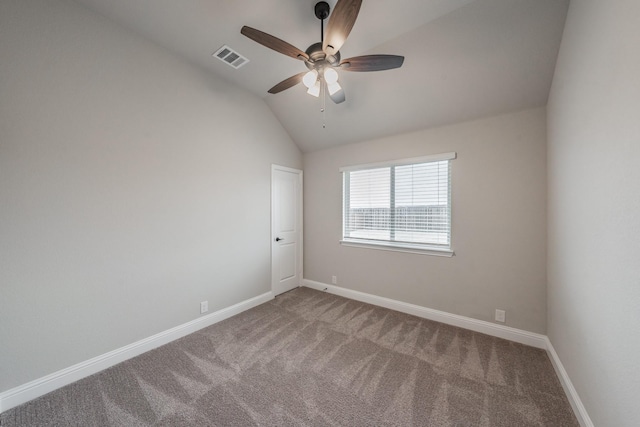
[{"x": 323, "y": 103}]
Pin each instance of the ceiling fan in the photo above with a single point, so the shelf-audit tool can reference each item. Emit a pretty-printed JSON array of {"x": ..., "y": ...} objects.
[{"x": 323, "y": 58}]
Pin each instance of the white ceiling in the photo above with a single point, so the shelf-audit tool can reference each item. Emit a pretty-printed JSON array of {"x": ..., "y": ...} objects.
[{"x": 464, "y": 59}]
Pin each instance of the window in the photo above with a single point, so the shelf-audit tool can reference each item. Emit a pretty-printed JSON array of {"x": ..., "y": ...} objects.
[{"x": 403, "y": 205}]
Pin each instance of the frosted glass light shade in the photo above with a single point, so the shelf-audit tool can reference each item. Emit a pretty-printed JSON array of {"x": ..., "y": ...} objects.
[
  {"x": 330, "y": 76},
  {"x": 309, "y": 79}
]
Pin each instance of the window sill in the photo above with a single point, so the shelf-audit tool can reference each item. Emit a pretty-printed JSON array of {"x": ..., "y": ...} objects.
[{"x": 388, "y": 246}]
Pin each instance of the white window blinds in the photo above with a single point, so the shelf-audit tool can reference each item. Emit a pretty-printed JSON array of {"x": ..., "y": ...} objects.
[{"x": 407, "y": 202}]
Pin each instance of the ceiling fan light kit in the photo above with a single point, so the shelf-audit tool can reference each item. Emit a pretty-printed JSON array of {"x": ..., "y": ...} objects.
[{"x": 323, "y": 58}]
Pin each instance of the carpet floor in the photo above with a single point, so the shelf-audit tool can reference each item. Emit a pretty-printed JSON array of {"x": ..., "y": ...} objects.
[{"x": 309, "y": 358}]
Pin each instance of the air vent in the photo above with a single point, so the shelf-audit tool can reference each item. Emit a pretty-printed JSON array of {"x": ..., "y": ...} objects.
[{"x": 230, "y": 57}]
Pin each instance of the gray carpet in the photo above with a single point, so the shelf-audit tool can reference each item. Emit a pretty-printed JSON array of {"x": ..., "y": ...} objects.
[{"x": 311, "y": 358}]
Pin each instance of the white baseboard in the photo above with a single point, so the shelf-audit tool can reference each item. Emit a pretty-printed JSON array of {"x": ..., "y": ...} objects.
[
  {"x": 569, "y": 389},
  {"x": 500, "y": 331},
  {"x": 31, "y": 390},
  {"x": 512, "y": 334}
]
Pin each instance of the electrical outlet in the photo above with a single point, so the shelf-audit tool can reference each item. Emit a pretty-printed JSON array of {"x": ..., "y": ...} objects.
[
  {"x": 334, "y": 280},
  {"x": 500, "y": 315},
  {"x": 204, "y": 307}
]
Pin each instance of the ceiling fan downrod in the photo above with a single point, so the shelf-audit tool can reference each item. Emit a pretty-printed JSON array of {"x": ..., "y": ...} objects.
[{"x": 322, "y": 12}]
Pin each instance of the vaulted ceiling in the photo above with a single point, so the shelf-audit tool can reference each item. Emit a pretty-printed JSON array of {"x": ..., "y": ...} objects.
[{"x": 464, "y": 59}]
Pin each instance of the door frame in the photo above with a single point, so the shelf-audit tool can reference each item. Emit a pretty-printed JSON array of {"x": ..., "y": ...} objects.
[{"x": 299, "y": 252}]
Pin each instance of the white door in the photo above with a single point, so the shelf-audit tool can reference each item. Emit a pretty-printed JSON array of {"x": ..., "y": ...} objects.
[{"x": 286, "y": 229}]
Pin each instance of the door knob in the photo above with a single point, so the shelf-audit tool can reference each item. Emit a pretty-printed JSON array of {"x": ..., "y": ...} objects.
[{"x": 278, "y": 239}]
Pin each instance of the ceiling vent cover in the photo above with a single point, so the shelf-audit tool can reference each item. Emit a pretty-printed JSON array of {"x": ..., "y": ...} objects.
[{"x": 230, "y": 57}]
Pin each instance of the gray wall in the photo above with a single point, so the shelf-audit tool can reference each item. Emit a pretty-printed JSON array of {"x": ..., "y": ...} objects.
[
  {"x": 132, "y": 187},
  {"x": 499, "y": 222},
  {"x": 594, "y": 208}
]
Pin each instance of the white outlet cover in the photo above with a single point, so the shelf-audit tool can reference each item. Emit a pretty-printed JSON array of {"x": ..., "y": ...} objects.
[
  {"x": 500, "y": 316},
  {"x": 204, "y": 306},
  {"x": 334, "y": 280}
]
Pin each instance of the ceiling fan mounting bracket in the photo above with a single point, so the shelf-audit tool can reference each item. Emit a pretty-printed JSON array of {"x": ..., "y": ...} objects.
[{"x": 322, "y": 10}]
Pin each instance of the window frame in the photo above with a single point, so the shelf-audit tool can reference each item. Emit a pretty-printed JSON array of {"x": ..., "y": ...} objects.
[{"x": 417, "y": 248}]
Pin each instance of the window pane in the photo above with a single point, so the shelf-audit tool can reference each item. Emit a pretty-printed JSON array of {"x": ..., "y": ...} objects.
[
  {"x": 422, "y": 203},
  {"x": 368, "y": 214}
]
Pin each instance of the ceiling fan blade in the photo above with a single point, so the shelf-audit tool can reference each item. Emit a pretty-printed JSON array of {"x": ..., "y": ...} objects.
[
  {"x": 287, "y": 83},
  {"x": 372, "y": 63},
  {"x": 274, "y": 43},
  {"x": 337, "y": 97},
  {"x": 340, "y": 24}
]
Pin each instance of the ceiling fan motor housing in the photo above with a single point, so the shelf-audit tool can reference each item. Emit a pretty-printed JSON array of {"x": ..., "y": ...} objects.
[{"x": 319, "y": 59}]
